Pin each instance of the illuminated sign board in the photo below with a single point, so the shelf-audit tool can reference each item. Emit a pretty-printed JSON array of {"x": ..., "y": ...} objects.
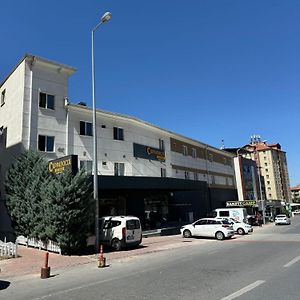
[
  {"x": 147, "y": 152},
  {"x": 62, "y": 164},
  {"x": 241, "y": 203}
]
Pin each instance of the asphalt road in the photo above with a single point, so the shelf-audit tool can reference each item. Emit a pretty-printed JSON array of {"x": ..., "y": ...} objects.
[{"x": 263, "y": 265}]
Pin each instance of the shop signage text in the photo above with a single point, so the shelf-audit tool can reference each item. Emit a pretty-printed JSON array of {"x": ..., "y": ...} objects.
[
  {"x": 241, "y": 203},
  {"x": 147, "y": 152},
  {"x": 60, "y": 165}
]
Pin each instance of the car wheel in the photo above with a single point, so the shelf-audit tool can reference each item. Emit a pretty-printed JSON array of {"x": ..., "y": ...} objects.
[
  {"x": 187, "y": 233},
  {"x": 116, "y": 244},
  {"x": 241, "y": 231},
  {"x": 220, "y": 236}
]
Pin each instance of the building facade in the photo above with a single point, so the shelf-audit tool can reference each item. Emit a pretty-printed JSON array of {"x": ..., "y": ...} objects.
[
  {"x": 295, "y": 191},
  {"x": 272, "y": 164},
  {"x": 142, "y": 168}
]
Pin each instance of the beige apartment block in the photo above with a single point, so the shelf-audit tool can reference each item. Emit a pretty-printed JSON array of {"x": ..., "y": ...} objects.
[
  {"x": 272, "y": 164},
  {"x": 295, "y": 193}
]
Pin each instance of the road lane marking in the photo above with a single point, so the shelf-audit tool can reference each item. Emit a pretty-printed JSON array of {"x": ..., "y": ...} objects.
[
  {"x": 244, "y": 290},
  {"x": 293, "y": 261}
]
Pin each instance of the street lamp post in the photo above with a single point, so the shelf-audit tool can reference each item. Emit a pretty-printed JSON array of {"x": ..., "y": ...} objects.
[{"x": 105, "y": 18}]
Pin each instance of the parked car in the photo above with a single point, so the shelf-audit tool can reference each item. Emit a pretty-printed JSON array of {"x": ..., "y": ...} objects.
[
  {"x": 296, "y": 212},
  {"x": 120, "y": 231},
  {"x": 208, "y": 227},
  {"x": 240, "y": 228},
  {"x": 282, "y": 219}
]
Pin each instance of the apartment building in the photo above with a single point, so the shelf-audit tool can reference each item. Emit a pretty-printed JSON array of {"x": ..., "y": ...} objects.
[
  {"x": 142, "y": 168},
  {"x": 272, "y": 164},
  {"x": 295, "y": 191}
]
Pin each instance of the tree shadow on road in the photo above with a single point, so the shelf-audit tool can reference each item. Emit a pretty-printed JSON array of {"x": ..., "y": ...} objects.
[{"x": 4, "y": 284}]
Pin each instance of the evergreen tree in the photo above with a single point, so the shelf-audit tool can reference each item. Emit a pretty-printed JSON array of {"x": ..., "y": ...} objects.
[
  {"x": 22, "y": 192},
  {"x": 69, "y": 206},
  {"x": 47, "y": 206}
]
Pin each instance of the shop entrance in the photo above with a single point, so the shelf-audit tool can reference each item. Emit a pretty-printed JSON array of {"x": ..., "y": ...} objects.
[{"x": 156, "y": 211}]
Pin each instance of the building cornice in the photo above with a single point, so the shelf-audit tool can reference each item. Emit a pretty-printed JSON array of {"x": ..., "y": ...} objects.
[{"x": 34, "y": 59}]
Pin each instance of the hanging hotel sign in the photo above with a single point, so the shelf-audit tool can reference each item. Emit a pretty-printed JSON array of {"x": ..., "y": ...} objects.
[
  {"x": 62, "y": 164},
  {"x": 147, "y": 152},
  {"x": 241, "y": 203}
]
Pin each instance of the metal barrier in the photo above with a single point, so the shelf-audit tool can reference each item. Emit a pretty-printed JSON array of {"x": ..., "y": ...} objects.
[{"x": 8, "y": 249}]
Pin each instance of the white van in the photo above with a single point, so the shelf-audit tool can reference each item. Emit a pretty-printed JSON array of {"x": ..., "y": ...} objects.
[
  {"x": 239, "y": 214},
  {"x": 120, "y": 231}
]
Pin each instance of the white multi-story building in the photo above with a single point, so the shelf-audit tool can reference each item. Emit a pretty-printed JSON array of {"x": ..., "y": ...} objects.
[{"x": 140, "y": 165}]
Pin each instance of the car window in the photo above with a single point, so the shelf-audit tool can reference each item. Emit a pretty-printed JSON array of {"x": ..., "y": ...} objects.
[
  {"x": 200, "y": 222},
  {"x": 133, "y": 224},
  {"x": 213, "y": 222},
  {"x": 110, "y": 224},
  {"x": 224, "y": 221}
]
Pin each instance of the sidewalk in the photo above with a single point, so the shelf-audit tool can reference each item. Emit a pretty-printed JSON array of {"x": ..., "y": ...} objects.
[{"x": 31, "y": 260}]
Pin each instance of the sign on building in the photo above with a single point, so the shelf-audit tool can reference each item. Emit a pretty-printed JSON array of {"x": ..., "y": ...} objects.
[
  {"x": 63, "y": 164},
  {"x": 241, "y": 203},
  {"x": 148, "y": 152}
]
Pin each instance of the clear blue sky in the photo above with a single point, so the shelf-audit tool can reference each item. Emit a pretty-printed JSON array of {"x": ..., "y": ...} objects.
[{"x": 206, "y": 69}]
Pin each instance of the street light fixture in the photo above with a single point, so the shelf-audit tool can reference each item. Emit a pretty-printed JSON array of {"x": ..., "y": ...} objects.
[{"x": 105, "y": 18}]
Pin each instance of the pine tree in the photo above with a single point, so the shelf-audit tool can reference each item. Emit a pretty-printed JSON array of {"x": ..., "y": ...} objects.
[
  {"x": 68, "y": 202},
  {"x": 22, "y": 192},
  {"x": 47, "y": 206}
]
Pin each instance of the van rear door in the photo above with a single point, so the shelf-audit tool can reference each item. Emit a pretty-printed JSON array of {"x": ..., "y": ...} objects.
[{"x": 133, "y": 231}]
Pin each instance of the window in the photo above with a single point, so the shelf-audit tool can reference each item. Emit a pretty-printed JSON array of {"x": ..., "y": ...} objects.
[
  {"x": 185, "y": 150},
  {"x": 194, "y": 152},
  {"x": 266, "y": 170},
  {"x": 266, "y": 164},
  {"x": 133, "y": 224},
  {"x": 86, "y": 128},
  {"x": 201, "y": 222},
  {"x": 118, "y": 134},
  {"x": 111, "y": 224},
  {"x": 210, "y": 157},
  {"x": 186, "y": 175},
  {"x": 161, "y": 144},
  {"x": 195, "y": 176},
  {"x": 46, "y": 101},
  {"x": 224, "y": 213},
  {"x": 46, "y": 143},
  {"x": 87, "y": 166},
  {"x": 2, "y": 97},
  {"x": 213, "y": 222},
  {"x": 119, "y": 169},
  {"x": 163, "y": 172}
]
